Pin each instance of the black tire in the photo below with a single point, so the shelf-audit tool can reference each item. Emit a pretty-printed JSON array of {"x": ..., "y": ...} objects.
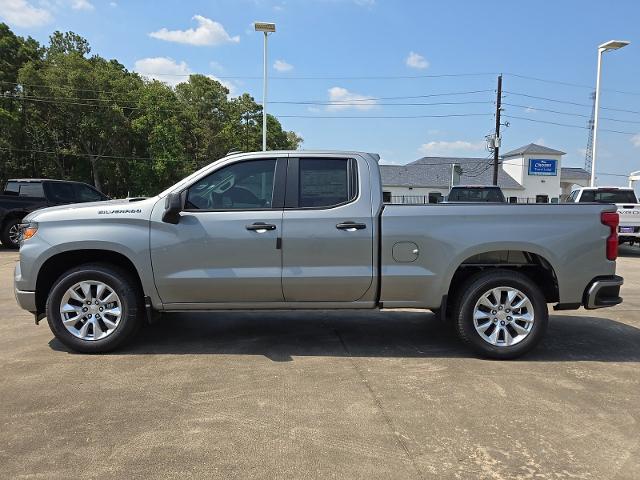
[
  {"x": 471, "y": 292},
  {"x": 122, "y": 283},
  {"x": 5, "y": 235}
]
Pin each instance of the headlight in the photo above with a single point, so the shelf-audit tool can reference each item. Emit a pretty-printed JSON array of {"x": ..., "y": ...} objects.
[{"x": 28, "y": 230}]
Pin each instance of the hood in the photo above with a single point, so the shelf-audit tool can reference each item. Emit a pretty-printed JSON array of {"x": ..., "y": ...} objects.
[{"x": 129, "y": 207}]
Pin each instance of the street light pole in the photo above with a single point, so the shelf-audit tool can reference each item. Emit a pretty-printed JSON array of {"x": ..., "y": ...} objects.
[
  {"x": 265, "y": 28},
  {"x": 610, "y": 45}
]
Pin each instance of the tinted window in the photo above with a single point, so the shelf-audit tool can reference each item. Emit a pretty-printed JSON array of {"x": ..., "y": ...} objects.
[
  {"x": 326, "y": 182},
  {"x": 28, "y": 189},
  {"x": 608, "y": 196},
  {"x": 84, "y": 193},
  {"x": 476, "y": 195},
  {"x": 241, "y": 186},
  {"x": 59, "y": 192}
]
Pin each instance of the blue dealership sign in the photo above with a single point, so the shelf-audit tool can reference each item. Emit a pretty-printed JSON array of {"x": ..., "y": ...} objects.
[{"x": 543, "y": 166}]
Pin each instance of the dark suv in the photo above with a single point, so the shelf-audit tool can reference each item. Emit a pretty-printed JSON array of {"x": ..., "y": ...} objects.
[{"x": 24, "y": 195}]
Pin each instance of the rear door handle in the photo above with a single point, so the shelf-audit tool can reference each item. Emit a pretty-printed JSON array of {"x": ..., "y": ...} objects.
[
  {"x": 260, "y": 227},
  {"x": 351, "y": 226}
]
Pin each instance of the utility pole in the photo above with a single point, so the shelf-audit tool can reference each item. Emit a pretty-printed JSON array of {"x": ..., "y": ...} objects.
[{"x": 496, "y": 139}]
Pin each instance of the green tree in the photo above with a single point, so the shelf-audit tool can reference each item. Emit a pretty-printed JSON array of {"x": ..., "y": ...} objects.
[{"x": 66, "y": 114}]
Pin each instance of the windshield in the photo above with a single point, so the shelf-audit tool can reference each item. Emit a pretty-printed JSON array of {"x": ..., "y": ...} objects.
[{"x": 608, "y": 196}]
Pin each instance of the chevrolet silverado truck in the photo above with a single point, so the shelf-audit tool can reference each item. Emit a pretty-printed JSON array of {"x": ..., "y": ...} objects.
[
  {"x": 626, "y": 202},
  {"x": 309, "y": 230},
  {"x": 23, "y": 195}
]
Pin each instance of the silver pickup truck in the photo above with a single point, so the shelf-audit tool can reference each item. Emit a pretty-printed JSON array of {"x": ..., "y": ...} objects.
[{"x": 309, "y": 230}]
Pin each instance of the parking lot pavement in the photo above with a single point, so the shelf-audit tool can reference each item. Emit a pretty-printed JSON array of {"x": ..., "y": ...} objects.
[{"x": 322, "y": 395}]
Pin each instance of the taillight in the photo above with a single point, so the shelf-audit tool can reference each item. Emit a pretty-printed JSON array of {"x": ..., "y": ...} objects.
[{"x": 611, "y": 220}]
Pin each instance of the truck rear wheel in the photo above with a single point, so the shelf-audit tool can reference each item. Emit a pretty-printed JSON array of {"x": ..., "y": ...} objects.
[
  {"x": 10, "y": 234},
  {"x": 501, "y": 314},
  {"x": 94, "y": 308}
]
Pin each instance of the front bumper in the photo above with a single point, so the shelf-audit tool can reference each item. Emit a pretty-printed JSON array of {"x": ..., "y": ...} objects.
[
  {"x": 25, "y": 298},
  {"x": 603, "y": 292}
]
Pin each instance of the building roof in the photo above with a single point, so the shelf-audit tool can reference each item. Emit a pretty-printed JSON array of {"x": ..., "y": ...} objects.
[
  {"x": 533, "y": 148},
  {"x": 574, "y": 173},
  {"x": 436, "y": 172}
]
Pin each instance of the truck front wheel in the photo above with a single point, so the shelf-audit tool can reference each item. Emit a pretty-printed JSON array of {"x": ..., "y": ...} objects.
[
  {"x": 10, "y": 234},
  {"x": 501, "y": 314},
  {"x": 94, "y": 308}
]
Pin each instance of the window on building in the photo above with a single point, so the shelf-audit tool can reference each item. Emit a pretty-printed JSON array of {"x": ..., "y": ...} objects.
[
  {"x": 386, "y": 197},
  {"x": 542, "y": 198},
  {"x": 513, "y": 199},
  {"x": 435, "y": 197}
]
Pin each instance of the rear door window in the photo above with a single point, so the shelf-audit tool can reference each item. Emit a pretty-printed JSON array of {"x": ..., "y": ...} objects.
[
  {"x": 326, "y": 182},
  {"x": 84, "y": 193},
  {"x": 59, "y": 192}
]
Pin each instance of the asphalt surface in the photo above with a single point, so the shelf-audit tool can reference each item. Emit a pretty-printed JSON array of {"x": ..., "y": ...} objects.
[{"x": 348, "y": 395}]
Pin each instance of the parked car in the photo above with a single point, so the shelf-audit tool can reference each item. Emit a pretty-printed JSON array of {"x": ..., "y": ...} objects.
[
  {"x": 309, "y": 230},
  {"x": 476, "y": 193},
  {"x": 21, "y": 196},
  {"x": 626, "y": 202}
]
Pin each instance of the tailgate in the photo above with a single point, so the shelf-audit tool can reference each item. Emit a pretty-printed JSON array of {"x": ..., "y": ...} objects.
[{"x": 629, "y": 214}]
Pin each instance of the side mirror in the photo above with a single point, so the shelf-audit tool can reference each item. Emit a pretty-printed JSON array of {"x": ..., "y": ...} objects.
[{"x": 172, "y": 208}]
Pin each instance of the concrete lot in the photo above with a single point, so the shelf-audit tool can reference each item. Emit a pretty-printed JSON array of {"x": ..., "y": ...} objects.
[{"x": 322, "y": 395}]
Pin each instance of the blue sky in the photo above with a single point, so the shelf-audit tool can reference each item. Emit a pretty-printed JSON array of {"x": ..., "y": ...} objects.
[{"x": 324, "y": 48}]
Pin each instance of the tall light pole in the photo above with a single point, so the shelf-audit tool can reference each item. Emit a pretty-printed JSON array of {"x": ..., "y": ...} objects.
[
  {"x": 265, "y": 28},
  {"x": 605, "y": 47}
]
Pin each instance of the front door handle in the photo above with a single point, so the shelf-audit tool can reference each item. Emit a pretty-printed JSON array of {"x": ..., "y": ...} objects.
[
  {"x": 351, "y": 226},
  {"x": 260, "y": 227}
]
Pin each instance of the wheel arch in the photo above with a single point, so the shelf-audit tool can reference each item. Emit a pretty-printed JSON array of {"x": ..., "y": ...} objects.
[
  {"x": 532, "y": 264},
  {"x": 59, "y": 263}
]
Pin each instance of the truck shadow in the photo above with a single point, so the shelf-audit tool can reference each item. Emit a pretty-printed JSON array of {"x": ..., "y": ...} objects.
[
  {"x": 280, "y": 336},
  {"x": 629, "y": 251}
]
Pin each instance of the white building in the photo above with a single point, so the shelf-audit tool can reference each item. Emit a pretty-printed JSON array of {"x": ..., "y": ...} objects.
[{"x": 529, "y": 174}]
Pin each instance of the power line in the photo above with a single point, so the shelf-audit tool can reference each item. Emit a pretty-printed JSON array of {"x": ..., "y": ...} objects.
[
  {"x": 567, "y": 113},
  {"x": 567, "y": 125},
  {"x": 325, "y": 77},
  {"x": 67, "y": 101},
  {"x": 569, "y": 84},
  {"x": 364, "y": 99},
  {"x": 352, "y": 117},
  {"x": 571, "y": 103}
]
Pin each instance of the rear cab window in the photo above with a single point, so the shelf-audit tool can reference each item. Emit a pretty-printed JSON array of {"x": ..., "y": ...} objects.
[
  {"x": 608, "y": 196},
  {"x": 24, "y": 189},
  {"x": 476, "y": 194}
]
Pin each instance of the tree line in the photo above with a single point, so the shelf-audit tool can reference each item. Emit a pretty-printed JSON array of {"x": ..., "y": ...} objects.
[{"x": 68, "y": 114}]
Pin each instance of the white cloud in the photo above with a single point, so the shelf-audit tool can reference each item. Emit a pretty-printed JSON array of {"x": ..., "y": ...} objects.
[
  {"x": 82, "y": 5},
  {"x": 208, "y": 32},
  {"x": 113, "y": 4},
  {"x": 530, "y": 110},
  {"x": 22, "y": 13},
  {"x": 415, "y": 60},
  {"x": 167, "y": 70},
  {"x": 540, "y": 141},
  {"x": 447, "y": 148},
  {"x": 344, "y": 99},
  {"x": 636, "y": 140},
  {"x": 365, "y": 3},
  {"x": 282, "y": 66}
]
